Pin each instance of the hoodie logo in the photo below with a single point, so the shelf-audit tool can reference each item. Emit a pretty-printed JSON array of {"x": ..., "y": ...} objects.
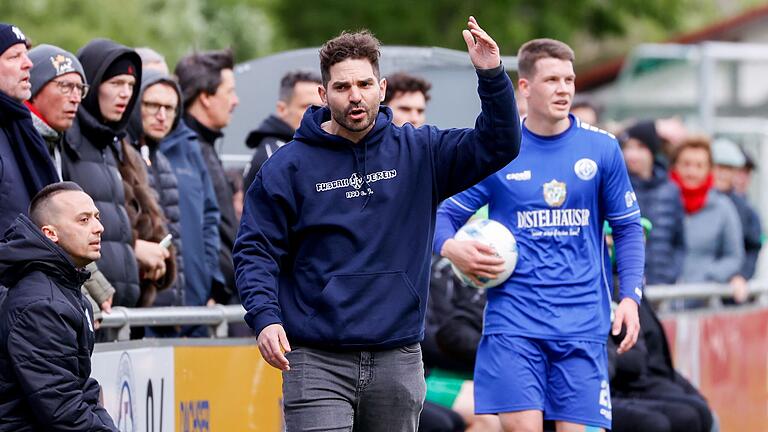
[
  {"x": 62, "y": 64},
  {"x": 355, "y": 181}
]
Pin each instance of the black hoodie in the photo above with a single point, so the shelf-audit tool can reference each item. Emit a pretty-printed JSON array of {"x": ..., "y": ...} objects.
[
  {"x": 46, "y": 338},
  {"x": 90, "y": 157},
  {"x": 271, "y": 134}
]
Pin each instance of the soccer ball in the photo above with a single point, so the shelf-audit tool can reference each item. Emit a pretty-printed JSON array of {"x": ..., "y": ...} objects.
[{"x": 497, "y": 236}]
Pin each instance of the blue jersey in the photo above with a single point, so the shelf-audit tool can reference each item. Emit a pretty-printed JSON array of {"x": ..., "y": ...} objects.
[{"x": 554, "y": 198}]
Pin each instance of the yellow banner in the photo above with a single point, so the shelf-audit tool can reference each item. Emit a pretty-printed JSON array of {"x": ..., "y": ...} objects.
[{"x": 226, "y": 388}]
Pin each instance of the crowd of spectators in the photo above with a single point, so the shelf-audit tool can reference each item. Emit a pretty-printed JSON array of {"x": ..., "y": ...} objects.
[{"x": 141, "y": 143}]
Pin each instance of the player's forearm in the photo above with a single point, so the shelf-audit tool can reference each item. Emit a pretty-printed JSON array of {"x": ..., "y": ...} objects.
[
  {"x": 449, "y": 219},
  {"x": 630, "y": 258}
]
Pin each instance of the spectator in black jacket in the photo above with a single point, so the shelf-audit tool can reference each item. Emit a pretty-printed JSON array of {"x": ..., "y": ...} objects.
[
  {"x": 298, "y": 91},
  {"x": 643, "y": 414},
  {"x": 46, "y": 332},
  {"x": 58, "y": 87},
  {"x": 158, "y": 113},
  {"x": 90, "y": 155},
  {"x": 659, "y": 201},
  {"x": 207, "y": 83},
  {"x": 26, "y": 167},
  {"x": 648, "y": 374}
]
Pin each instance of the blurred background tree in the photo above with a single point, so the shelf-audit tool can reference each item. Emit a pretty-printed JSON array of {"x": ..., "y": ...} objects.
[
  {"x": 172, "y": 27},
  {"x": 253, "y": 28}
]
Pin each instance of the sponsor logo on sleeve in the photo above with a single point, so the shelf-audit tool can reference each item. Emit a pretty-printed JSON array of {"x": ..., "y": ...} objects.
[{"x": 630, "y": 198}]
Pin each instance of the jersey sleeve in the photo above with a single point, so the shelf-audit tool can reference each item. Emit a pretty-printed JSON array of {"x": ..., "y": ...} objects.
[
  {"x": 622, "y": 212},
  {"x": 454, "y": 212},
  {"x": 618, "y": 199}
]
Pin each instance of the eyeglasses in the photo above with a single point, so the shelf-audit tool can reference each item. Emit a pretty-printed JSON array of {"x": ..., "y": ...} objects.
[
  {"x": 153, "y": 108},
  {"x": 66, "y": 87}
]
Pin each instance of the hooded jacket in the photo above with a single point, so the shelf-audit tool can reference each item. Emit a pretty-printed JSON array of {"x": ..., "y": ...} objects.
[
  {"x": 90, "y": 157},
  {"x": 97, "y": 287},
  {"x": 198, "y": 213},
  {"x": 46, "y": 339},
  {"x": 335, "y": 239},
  {"x": 224, "y": 289},
  {"x": 271, "y": 134}
]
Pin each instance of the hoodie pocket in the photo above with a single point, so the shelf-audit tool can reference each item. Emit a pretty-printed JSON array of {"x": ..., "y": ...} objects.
[{"x": 366, "y": 309}]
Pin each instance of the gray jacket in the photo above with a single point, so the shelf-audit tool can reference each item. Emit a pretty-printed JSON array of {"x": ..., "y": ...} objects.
[{"x": 714, "y": 242}]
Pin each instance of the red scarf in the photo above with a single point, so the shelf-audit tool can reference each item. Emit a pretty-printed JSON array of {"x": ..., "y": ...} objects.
[
  {"x": 34, "y": 111},
  {"x": 694, "y": 198}
]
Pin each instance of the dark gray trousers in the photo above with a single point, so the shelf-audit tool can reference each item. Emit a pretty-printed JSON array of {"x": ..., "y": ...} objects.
[{"x": 356, "y": 391}]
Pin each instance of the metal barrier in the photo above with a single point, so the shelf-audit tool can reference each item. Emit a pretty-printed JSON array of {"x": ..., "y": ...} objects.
[{"x": 220, "y": 316}]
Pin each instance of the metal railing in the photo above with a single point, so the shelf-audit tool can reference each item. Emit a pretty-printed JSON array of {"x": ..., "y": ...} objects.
[{"x": 220, "y": 316}]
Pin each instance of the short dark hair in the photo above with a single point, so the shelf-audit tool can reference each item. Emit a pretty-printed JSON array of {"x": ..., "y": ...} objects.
[
  {"x": 290, "y": 79},
  {"x": 359, "y": 45},
  {"x": 38, "y": 208},
  {"x": 200, "y": 72},
  {"x": 402, "y": 82},
  {"x": 537, "y": 49}
]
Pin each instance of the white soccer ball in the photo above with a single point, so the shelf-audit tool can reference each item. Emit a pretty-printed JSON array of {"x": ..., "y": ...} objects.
[{"x": 497, "y": 236}]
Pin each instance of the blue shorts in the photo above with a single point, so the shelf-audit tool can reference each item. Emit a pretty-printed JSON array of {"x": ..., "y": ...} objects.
[{"x": 566, "y": 380}]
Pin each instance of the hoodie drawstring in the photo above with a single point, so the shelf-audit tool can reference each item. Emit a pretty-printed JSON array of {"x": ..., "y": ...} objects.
[
  {"x": 365, "y": 175},
  {"x": 368, "y": 189}
]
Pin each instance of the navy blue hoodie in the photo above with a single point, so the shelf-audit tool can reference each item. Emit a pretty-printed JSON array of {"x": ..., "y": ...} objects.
[{"x": 335, "y": 238}]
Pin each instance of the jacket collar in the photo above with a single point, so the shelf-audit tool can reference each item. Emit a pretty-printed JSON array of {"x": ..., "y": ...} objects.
[{"x": 205, "y": 134}]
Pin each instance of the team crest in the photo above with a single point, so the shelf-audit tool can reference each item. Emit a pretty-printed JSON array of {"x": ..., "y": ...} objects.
[
  {"x": 62, "y": 64},
  {"x": 554, "y": 193},
  {"x": 585, "y": 169},
  {"x": 355, "y": 180}
]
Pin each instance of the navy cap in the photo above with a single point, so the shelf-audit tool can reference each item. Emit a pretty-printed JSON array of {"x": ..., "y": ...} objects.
[{"x": 11, "y": 35}]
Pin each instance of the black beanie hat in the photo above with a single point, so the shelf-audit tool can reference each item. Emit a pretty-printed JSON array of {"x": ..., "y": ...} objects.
[
  {"x": 645, "y": 132},
  {"x": 121, "y": 66},
  {"x": 11, "y": 35}
]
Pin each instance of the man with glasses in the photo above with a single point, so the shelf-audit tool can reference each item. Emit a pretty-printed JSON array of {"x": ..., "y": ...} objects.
[
  {"x": 153, "y": 119},
  {"x": 58, "y": 86},
  {"x": 25, "y": 167}
]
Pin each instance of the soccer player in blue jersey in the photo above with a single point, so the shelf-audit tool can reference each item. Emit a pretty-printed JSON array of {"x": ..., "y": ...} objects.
[{"x": 543, "y": 354}]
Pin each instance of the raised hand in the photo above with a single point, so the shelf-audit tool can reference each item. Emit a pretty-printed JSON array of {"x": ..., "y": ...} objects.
[{"x": 483, "y": 50}]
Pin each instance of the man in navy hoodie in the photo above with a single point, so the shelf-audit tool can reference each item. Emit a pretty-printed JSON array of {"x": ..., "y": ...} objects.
[{"x": 334, "y": 246}]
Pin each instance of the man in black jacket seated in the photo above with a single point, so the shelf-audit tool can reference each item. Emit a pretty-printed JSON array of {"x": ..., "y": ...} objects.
[
  {"x": 46, "y": 333},
  {"x": 648, "y": 374}
]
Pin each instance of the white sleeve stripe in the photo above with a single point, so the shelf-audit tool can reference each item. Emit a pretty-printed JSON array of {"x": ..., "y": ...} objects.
[
  {"x": 623, "y": 216},
  {"x": 455, "y": 201}
]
